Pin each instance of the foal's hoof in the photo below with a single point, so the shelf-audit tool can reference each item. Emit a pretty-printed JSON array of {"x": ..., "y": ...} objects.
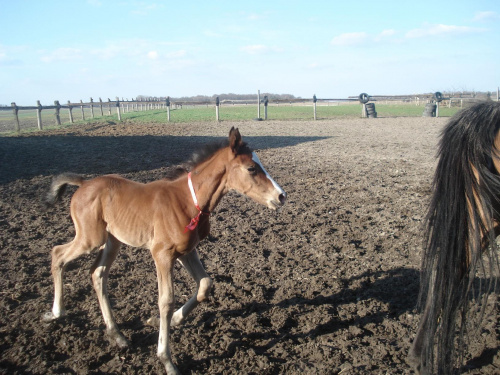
[
  {"x": 171, "y": 369},
  {"x": 177, "y": 319},
  {"x": 50, "y": 317},
  {"x": 121, "y": 342},
  {"x": 154, "y": 321},
  {"x": 118, "y": 339}
]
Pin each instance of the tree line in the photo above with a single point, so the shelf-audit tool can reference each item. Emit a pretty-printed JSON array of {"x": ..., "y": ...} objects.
[{"x": 206, "y": 98}]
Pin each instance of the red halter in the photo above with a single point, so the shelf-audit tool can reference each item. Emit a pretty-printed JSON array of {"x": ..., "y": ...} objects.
[{"x": 194, "y": 221}]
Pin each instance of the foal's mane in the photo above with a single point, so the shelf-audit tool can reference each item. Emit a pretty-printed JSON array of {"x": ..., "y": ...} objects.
[{"x": 203, "y": 154}]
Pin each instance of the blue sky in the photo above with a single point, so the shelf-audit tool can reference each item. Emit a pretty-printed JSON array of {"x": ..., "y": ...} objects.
[{"x": 72, "y": 50}]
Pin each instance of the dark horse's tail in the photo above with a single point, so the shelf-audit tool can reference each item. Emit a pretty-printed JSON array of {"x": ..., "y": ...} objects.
[
  {"x": 58, "y": 186},
  {"x": 459, "y": 226}
]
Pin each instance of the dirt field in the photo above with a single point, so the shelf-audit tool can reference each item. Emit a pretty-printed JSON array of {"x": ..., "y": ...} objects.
[{"x": 326, "y": 286}]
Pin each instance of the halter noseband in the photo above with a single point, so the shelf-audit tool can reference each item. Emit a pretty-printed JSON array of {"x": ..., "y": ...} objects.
[{"x": 194, "y": 221}]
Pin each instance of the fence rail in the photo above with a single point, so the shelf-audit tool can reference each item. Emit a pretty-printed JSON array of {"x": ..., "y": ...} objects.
[
  {"x": 100, "y": 105},
  {"x": 122, "y": 106}
]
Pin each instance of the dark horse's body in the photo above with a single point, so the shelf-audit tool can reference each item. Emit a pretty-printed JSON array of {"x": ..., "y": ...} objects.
[{"x": 462, "y": 224}]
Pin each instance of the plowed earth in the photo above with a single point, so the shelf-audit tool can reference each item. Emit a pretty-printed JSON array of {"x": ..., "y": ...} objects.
[{"x": 328, "y": 285}]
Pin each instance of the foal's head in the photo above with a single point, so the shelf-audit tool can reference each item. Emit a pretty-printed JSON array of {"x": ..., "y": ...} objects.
[{"x": 248, "y": 176}]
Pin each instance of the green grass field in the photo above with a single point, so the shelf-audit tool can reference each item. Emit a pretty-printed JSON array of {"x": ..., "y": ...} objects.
[
  {"x": 28, "y": 119},
  {"x": 282, "y": 112}
]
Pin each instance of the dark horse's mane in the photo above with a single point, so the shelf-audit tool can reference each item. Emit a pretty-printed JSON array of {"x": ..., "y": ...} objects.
[
  {"x": 201, "y": 155},
  {"x": 453, "y": 230}
]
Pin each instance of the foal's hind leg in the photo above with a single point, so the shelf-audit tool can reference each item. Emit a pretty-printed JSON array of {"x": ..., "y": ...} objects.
[
  {"x": 61, "y": 256},
  {"x": 100, "y": 273}
]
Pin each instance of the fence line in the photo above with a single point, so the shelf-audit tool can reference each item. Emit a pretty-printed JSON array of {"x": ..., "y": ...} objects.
[{"x": 123, "y": 106}]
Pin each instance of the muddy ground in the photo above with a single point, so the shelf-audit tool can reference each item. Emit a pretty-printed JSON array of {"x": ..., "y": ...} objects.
[{"x": 328, "y": 285}]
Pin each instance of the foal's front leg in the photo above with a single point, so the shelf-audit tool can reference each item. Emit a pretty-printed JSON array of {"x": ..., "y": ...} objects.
[
  {"x": 192, "y": 264},
  {"x": 164, "y": 267}
]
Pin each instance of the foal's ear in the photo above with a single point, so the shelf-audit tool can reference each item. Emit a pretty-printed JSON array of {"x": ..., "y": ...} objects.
[{"x": 234, "y": 139}]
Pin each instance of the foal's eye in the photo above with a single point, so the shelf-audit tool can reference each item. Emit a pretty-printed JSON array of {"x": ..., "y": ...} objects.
[{"x": 251, "y": 169}]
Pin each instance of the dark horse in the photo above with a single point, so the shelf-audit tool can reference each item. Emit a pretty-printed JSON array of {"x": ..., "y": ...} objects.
[{"x": 461, "y": 227}]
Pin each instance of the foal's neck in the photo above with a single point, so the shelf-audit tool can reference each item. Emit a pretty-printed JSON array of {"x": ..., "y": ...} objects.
[{"x": 209, "y": 182}]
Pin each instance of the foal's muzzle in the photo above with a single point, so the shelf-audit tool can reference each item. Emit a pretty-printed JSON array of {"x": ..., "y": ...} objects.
[{"x": 282, "y": 198}]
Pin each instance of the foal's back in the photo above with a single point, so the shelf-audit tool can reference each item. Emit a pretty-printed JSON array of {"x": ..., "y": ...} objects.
[{"x": 127, "y": 209}]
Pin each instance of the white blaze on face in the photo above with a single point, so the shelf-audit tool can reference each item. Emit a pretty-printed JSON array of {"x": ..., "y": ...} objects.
[{"x": 256, "y": 159}]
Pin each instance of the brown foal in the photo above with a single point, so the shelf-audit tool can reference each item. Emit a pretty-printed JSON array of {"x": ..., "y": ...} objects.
[{"x": 168, "y": 217}]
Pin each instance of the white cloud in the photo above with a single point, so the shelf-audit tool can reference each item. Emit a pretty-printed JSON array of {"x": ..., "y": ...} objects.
[
  {"x": 254, "y": 17},
  {"x": 212, "y": 34},
  {"x": 486, "y": 16},
  {"x": 7, "y": 55},
  {"x": 384, "y": 35},
  {"x": 62, "y": 54},
  {"x": 387, "y": 33},
  {"x": 259, "y": 49},
  {"x": 6, "y": 60},
  {"x": 434, "y": 30},
  {"x": 121, "y": 48},
  {"x": 350, "y": 39},
  {"x": 144, "y": 9},
  {"x": 362, "y": 38},
  {"x": 109, "y": 52},
  {"x": 177, "y": 54},
  {"x": 254, "y": 49},
  {"x": 152, "y": 55}
]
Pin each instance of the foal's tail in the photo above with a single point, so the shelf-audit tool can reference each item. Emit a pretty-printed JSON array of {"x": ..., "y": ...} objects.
[
  {"x": 459, "y": 225},
  {"x": 58, "y": 186}
]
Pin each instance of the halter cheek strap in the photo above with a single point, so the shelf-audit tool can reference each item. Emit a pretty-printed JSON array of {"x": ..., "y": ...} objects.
[{"x": 195, "y": 220}]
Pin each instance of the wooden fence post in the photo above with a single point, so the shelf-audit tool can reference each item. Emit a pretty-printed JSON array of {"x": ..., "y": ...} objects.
[
  {"x": 266, "y": 101},
  {"x": 39, "y": 114},
  {"x": 109, "y": 107},
  {"x": 83, "y": 113},
  {"x": 258, "y": 104},
  {"x": 92, "y": 107},
  {"x": 70, "y": 110},
  {"x": 15, "y": 108},
  {"x": 217, "y": 102},
  {"x": 118, "y": 109},
  {"x": 314, "y": 105},
  {"x": 167, "y": 103},
  {"x": 100, "y": 106},
  {"x": 58, "y": 109}
]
